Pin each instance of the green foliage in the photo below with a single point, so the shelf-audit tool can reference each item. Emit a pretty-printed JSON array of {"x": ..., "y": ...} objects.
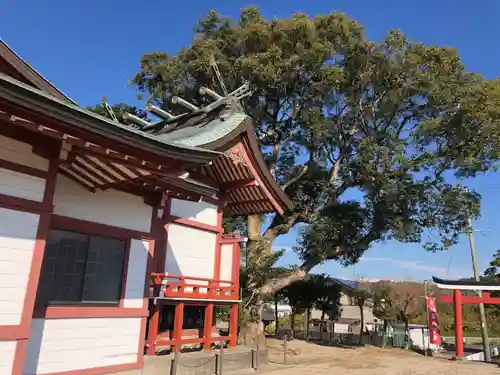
[
  {"x": 270, "y": 328},
  {"x": 337, "y": 113},
  {"x": 119, "y": 110},
  {"x": 326, "y": 295},
  {"x": 235, "y": 224},
  {"x": 315, "y": 291}
]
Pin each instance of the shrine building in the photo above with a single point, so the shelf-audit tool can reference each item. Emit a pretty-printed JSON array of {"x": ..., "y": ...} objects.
[{"x": 111, "y": 235}]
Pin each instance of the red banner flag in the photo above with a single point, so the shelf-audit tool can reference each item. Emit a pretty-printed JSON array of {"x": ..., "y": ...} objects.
[{"x": 433, "y": 323}]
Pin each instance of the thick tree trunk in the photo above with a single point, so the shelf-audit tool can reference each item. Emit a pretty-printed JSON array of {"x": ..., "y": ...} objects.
[
  {"x": 384, "y": 333},
  {"x": 407, "y": 333},
  {"x": 308, "y": 323},
  {"x": 322, "y": 325}
]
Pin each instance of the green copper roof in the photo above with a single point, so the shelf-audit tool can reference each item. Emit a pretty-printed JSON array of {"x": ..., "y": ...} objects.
[
  {"x": 28, "y": 96},
  {"x": 204, "y": 133}
]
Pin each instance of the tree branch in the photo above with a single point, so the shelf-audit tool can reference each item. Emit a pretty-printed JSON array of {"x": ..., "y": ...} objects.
[
  {"x": 275, "y": 285},
  {"x": 334, "y": 173}
]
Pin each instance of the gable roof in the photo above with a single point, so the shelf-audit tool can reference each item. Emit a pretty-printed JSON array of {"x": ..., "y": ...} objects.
[
  {"x": 218, "y": 126},
  {"x": 15, "y": 66},
  {"x": 200, "y": 134},
  {"x": 38, "y": 101}
]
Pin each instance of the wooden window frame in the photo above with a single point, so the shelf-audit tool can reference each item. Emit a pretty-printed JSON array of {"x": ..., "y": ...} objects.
[
  {"x": 81, "y": 302},
  {"x": 93, "y": 311}
]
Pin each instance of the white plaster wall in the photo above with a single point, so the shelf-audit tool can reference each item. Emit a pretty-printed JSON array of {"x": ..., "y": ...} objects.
[
  {"x": 7, "y": 352},
  {"x": 110, "y": 207},
  {"x": 190, "y": 252},
  {"x": 21, "y": 153},
  {"x": 136, "y": 274},
  {"x": 21, "y": 185},
  {"x": 201, "y": 212},
  {"x": 58, "y": 345},
  {"x": 226, "y": 263},
  {"x": 17, "y": 242}
]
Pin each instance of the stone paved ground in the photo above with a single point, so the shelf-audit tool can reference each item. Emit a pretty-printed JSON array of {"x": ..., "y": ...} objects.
[{"x": 321, "y": 360}]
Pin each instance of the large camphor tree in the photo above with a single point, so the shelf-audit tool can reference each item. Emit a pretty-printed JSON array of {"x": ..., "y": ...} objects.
[{"x": 368, "y": 138}]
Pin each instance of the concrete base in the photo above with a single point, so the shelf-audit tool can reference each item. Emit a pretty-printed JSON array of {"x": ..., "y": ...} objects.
[
  {"x": 235, "y": 360},
  {"x": 479, "y": 356}
]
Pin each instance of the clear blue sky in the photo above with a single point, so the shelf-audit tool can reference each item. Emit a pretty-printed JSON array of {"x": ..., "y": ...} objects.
[{"x": 91, "y": 48}]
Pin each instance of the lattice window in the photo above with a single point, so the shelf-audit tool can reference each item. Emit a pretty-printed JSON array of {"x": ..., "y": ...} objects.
[{"x": 80, "y": 268}]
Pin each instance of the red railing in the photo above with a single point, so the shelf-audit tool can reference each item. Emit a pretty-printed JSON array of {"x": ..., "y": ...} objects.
[
  {"x": 167, "y": 285},
  {"x": 190, "y": 336}
]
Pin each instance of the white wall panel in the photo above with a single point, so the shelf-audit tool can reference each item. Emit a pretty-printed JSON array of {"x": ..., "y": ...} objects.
[
  {"x": 110, "y": 207},
  {"x": 17, "y": 242},
  {"x": 21, "y": 185},
  {"x": 226, "y": 263},
  {"x": 7, "y": 352},
  {"x": 136, "y": 274},
  {"x": 58, "y": 345},
  {"x": 21, "y": 153},
  {"x": 190, "y": 252},
  {"x": 201, "y": 212}
]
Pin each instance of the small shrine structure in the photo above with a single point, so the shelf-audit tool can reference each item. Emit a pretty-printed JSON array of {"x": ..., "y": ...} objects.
[
  {"x": 111, "y": 234},
  {"x": 483, "y": 287}
]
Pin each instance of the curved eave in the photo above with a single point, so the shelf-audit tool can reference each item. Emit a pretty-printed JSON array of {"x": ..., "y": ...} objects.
[
  {"x": 466, "y": 284},
  {"x": 32, "y": 100},
  {"x": 269, "y": 181},
  {"x": 245, "y": 129}
]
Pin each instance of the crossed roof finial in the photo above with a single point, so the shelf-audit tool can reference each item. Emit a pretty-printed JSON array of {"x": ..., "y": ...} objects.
[{"x": 229, "y": 100}]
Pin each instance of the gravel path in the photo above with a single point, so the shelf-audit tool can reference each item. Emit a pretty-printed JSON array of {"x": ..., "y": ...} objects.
[{"x": 322, "y": 360}]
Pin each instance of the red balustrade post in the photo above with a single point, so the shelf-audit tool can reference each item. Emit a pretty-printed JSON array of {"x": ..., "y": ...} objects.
[
  {"x": 233, "y": 325},
  {"x": 154, "y": 323},
  {"x": 207, "y": 327},
  {"x": 178, "y": 320},
  {"x": 459, "y": 335}
]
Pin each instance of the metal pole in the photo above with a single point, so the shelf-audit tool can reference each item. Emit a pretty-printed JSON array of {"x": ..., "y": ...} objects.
[
  {"x": 257, "y": 350},
  {"x": 484, "y": 327},
  {"x": 285, "y": 350},
  {"x": 426, "y": 294},
  {"x": 173, "y": 369},
  {"x": 221, "y": 358}
]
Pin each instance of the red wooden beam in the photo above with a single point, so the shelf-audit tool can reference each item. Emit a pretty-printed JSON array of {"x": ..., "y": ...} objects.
[
  {"x": 459, "y": 334},
  {"x": 207, "y": 329},
  {"x": 486, "y": 298}
]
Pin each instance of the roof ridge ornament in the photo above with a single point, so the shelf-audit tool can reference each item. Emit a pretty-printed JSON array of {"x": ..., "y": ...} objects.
[
  {"x": 231, "y": 102},
  {"x": 108, "y": 109}
]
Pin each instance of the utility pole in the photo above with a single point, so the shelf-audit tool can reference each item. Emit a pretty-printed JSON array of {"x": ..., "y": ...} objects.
[{"x": 484, "y": 327}]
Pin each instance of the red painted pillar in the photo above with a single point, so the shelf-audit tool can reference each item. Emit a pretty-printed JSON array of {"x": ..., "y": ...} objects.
[
  {"x": 207, "y": 327},
  {"x": 154, "y": 324},
  {"x": 233, "y": 325},
  {"x": 178, "y": 320},
  {"x": 459, "y": 335}
]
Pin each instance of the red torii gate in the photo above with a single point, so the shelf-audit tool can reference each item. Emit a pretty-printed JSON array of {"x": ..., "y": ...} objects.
[{"x": 459, "y": 299}]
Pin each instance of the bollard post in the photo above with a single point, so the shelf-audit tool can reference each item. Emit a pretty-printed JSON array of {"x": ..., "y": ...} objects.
[
  {"x": 257, "y": 359},
  {"x": 221, "y": 358},
  {"x": 285, "y": 350},
  {"x": 175, "y": 361},
  {"x": 423, "y": 342}
]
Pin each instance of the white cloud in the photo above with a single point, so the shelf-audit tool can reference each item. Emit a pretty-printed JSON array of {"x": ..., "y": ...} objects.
[{"x": 426, "y": 268}]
